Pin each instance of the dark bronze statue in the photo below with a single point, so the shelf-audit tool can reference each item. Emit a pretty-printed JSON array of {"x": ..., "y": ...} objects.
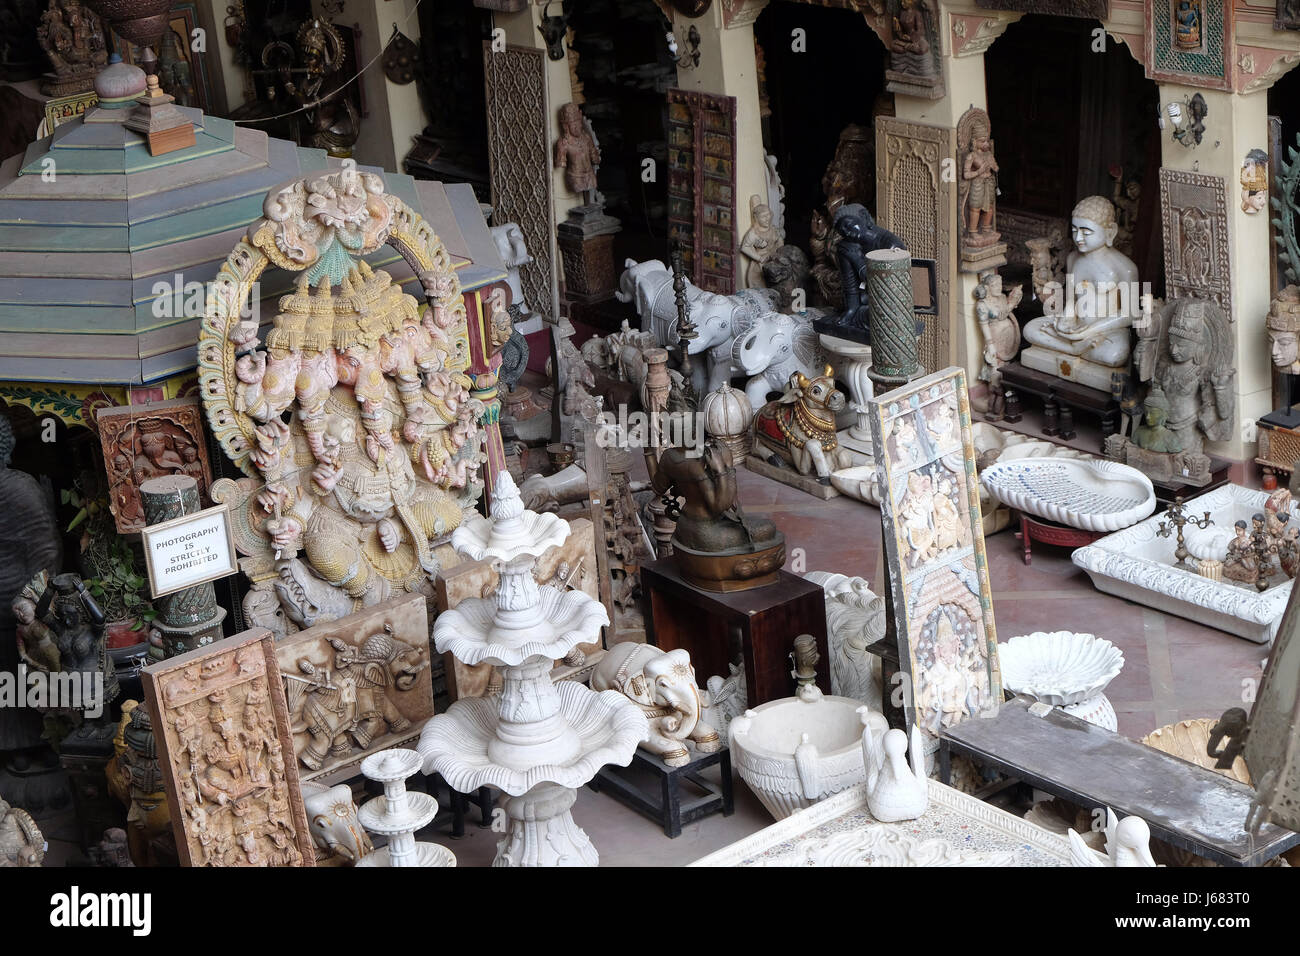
[
  {"x": 859, "y": 235},
  {"x": 715, "y": 545}
]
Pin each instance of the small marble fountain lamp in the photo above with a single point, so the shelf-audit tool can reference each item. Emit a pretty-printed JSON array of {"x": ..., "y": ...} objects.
[
  {"x": 398, "y": 814},
  {"x": 535, "y": 740}
]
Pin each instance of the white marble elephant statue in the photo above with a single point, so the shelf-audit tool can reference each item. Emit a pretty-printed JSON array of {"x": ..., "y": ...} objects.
[
  {"x": 772, "y": 349},
  {"x": 335, "y": 829},
  {"x": 663, "y": 683},
  {"x": 717, "y": 318}
]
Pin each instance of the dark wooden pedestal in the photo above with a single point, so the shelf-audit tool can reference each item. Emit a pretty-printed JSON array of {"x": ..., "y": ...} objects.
[
  {"x": 666, "y": 807},
  {"x": 1060, "y": 400},
  {"x": 1049, "y": 532},
  {"x": 764, "y": 621}
]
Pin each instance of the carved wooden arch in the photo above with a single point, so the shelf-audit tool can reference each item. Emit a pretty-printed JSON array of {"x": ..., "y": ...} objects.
[{"x": 228, "y": 296}]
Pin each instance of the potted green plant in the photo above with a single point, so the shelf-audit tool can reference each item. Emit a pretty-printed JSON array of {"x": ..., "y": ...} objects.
[{"x": 111, "y": 572}]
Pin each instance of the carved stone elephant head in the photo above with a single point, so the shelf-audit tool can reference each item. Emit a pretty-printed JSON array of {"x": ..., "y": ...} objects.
[{"x": 332, "y": 817}]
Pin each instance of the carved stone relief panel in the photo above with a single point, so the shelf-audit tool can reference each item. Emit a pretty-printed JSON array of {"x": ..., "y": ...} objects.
[
  {"x": 915, "y": 202},
  {"x": 518, "y": 118},
  {"x": 150, "y": 441},
  {"x": 1194, "y": 210},
  {"x": 357, "y": 685},
  {"x": 221, "y": 726}
]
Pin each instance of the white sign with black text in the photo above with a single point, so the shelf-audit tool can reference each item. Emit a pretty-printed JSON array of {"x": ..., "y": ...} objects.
[{"x": 189, "y": 550}]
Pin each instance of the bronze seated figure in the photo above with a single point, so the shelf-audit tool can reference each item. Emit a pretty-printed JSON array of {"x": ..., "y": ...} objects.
[{"x": 717, "y": 548}]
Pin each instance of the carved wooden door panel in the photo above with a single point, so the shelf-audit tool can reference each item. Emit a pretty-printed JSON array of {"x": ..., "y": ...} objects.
[
  {"x": 702, "y": 186},
  {"x": 519, "y": 151},
  {"x": 916, "y": 202}
]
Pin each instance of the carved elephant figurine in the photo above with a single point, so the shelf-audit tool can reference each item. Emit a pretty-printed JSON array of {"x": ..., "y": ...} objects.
[
  {"x": 772, "y": 349},
  {"x": 663, "y": 683},
  {"x": 335, "y": 829}
]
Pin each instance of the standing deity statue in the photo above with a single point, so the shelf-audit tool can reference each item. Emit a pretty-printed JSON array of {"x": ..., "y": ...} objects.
[
  {"x": 1186, "y": 351},
  {"x": 995, "y": 313},
  {"x": 761, "y": 240},
  {"x": 577, "y": 154},
  {"x": 979, "y": 173}
]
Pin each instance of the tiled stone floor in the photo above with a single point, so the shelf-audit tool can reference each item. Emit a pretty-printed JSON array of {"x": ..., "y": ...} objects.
[{"x": 1174, "y": 668}]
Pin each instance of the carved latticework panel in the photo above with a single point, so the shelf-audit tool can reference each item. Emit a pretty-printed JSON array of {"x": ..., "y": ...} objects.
[
  {"x": 518, "y": 120},
  {"x": 1194, "y": 210},
  {"x": 915, "y": 202}
]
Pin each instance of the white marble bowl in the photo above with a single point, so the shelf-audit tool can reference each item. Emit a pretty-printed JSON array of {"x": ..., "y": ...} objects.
[
  {"x": 764, "y": 741},
  {"x": 1092, "y": 495},
  {"x": 1059, "y": 668}
]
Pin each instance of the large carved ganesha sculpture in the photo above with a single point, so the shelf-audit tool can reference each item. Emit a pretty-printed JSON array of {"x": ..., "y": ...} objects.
[{"x": 353, "y": 420}]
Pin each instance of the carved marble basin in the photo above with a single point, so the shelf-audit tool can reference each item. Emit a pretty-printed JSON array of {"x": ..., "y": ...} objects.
[
  {"x": 1093, "y": 495},
  {"x": 1138, "y": 564},
  {"x": 793, "y": 752},
  {"x": 1059, "y": 668}
]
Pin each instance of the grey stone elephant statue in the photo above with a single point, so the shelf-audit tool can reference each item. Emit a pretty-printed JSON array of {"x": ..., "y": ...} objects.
[{"x": 663, "y": 683}]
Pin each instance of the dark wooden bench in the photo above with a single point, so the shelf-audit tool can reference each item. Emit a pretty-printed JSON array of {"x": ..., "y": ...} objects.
[
  {"x": 666, "y": 806},
  {"x": 1092, "y": 767},
  {"x": 1060, "y": 399}
]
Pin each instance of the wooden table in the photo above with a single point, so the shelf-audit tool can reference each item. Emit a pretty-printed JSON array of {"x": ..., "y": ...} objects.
[
  {"x": 666, "y": 806},
  {"x": 1095, "y": 768},
  {"x": 1060, "y": 398},
  {"x": 1049, "y": 532},
  {"x": 765, "y": 621}
]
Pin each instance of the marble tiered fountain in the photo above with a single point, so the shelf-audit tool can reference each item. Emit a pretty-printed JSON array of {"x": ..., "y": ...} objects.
[{"x": 536, "y": 741}]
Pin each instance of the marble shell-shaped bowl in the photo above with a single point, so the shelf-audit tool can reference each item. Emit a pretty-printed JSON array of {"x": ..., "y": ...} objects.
[
  {"x": 1092, "y": 495},
  {"x": 1059, "y": 668},
  {"x": 764, "y": 742}
]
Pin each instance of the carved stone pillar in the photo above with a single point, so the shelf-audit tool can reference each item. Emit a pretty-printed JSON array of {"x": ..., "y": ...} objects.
[
  {"x": 190, "y": 618},
  {"x": 894, "y": 342}
]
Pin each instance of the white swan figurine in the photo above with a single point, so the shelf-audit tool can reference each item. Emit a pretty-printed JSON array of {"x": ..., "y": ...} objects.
[
  {"x": 1127, "y": 844},
  {"x": 895, "y": 790}
]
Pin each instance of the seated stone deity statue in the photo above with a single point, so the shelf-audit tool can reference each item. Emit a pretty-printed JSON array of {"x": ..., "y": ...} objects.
[{"x": 1087, "y": 336}]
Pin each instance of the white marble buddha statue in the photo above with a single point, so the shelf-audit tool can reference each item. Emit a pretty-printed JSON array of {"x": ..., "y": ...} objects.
[{"x": 1086, "y": 338}]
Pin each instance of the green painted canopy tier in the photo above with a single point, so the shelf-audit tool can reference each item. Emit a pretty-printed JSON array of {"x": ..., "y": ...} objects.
[{"x": 91, "y": 224}]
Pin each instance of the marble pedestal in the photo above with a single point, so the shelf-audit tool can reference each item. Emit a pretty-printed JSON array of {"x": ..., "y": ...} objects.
[
  {"x": 852, "y": 363},
  {"x": 1069, "y": 367}
]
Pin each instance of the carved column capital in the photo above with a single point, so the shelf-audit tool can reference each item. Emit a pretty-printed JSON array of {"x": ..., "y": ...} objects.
[
  {"x": 972, "y": 34},
  {"x": 741, "y": 13}
]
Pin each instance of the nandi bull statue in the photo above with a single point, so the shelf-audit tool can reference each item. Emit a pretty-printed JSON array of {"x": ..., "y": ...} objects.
[
  {"x": 718, "y": 319},
  {"x": 663, "y": 683},
  {"x": 798, "y": 429}
]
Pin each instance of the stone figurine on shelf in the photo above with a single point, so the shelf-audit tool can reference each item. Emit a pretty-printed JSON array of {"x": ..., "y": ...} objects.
[
  {"x": 760, "y": 241},
  {"x": 511, "y": 247},
  {"x": 1045, "y": 265},
  {"x": 914, "y": 49},
  {"x": 73, "y": 38},
  {"x": 858, "y": 235},
  {"x": 1254, "y": 182},
  {"x": 977, "y": 194},
  {"x": 995, "y": 314},
  {"x": 798, "y": 429},
  {"x": 663, "y": 684},
  {"x": 1086, "y": 339},
  {"x": 714, "y": 544},
  {"x": 346, "y": 502},
  {"x": 21, "y": 843},
  {"x": 577, "y": 154}
]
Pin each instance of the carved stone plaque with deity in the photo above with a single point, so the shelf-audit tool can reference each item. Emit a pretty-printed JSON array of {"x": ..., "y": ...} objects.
[
  {"x": 222, "y": 729},
  {"x": 1194, "y": 208},
  {"x": 358, "y": 685},
  {"x": 934, "y": 543},
  {"x": 916, "y": 202},
  {"x": 150, "y": 441}
]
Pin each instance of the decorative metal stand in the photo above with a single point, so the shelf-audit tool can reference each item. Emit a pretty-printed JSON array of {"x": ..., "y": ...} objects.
[
  {"x": 190, "y": 618},
  {"x": 398, "y": 814},
  {"x": 686, "y": 332},
  {"x": 1176, "y": 518}
]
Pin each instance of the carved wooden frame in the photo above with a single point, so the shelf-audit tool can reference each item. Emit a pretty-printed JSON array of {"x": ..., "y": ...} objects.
[
  {"x": 920, "y": 583},
  {"x": 1181, "y": 190},
  {"x": 896, "y": 140},
  {"x": 1087, "y": 9},
  {"x": 1158, "y": 47}
]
